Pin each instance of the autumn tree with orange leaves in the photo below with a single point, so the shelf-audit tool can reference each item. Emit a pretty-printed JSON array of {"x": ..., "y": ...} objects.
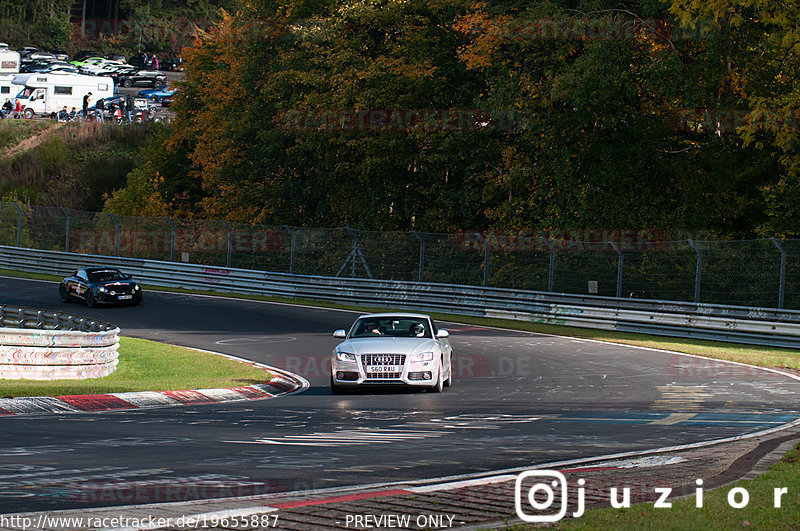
[{"x": 438, "y": 116}]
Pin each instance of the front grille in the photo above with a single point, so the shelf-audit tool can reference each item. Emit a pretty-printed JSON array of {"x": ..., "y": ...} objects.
[
  {"x": 120, "y": 290},
  {"x": 383, "y": 359},
  {"x": 382, "y": 375}
]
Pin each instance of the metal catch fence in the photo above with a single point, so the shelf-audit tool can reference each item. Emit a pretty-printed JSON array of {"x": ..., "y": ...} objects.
[{"x": 759, "y": 273}]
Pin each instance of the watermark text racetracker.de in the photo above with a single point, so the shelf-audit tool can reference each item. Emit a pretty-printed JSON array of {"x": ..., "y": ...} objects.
[
  {"x": 542, "y": 496},
  {"x": 464, "y": 365},
  {"x": 202, "y": 521}
]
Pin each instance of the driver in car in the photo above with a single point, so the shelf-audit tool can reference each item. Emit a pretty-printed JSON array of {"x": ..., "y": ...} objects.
[{"x": 372, "y": 327}]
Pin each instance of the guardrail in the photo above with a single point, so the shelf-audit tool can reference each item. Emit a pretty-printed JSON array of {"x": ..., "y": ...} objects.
[
  {"x": 738, "y": 324},
  {"x": 48, "y": 345}
]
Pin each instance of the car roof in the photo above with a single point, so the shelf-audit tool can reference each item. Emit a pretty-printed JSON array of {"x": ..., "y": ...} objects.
[
  {"x": 395, "y": 314},
  {"x": 97, "y": 268}
]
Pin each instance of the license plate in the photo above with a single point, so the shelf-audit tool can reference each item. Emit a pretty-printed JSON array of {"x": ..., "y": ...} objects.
[
  {"x": 382, "y": 368},
  {"x": 125, "y": 297}
]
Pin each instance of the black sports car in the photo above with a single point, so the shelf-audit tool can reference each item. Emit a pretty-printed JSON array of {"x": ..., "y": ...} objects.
[
  {"x": 100, "y": 285},
  {"x": 142, "y": 77}
]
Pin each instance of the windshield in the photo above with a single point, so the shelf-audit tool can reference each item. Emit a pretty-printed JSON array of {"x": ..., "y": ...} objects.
[
  {"x": 105, "y": 275},
  {"x": 391, "y": 326},
  {"x": 25, "y": 93}
]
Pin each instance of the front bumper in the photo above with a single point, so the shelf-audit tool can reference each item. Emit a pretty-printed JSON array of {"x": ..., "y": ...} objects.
[
  {"x": 118, "y": 298},
  {"x": 411, "y": 373}
]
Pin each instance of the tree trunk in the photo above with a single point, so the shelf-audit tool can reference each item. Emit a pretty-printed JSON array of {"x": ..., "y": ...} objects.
[{"x": 83, "y": 21}]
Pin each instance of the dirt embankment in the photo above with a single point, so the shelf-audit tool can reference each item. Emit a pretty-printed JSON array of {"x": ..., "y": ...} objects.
[{"x": 30, "y": 142}]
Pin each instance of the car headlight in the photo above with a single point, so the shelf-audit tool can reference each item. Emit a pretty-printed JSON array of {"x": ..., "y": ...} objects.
[
  {"x": 422, "y": 356},
  {"x": 103, "y": 289},
  {"x": 345, "y": 356},
  {"x": 136, "y": 287}
]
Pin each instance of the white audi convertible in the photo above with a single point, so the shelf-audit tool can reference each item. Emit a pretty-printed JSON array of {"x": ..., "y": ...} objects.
[{"x": 392, "y": 348}]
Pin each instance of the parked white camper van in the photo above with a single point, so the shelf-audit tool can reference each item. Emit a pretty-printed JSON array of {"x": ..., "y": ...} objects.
[
  {"x": 44, "y": 94},
  {"x": 7, "y": 88},
  {"x": 9, "y": 60}
]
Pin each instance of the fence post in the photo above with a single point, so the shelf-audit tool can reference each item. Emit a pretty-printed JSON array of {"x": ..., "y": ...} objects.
[
  {"x": 66, "y": 237},
  {"x": 19, "y": 223},
  {"x": 116, "y": 233},
  {"x": 698, "y": 270},
  {"x": 551, "y": 273},
  {"x": 293, "y": 248},
  {"x": 485, "y": 258},
  {"x": 782, "y": 282},
  {"x": 421, "y": 255},
  {"x": 355, "y": 254},
  {"x": 230, "y": 241},
  {"x": 171, "y": 240},
  {"x": 620, "y": 263}
]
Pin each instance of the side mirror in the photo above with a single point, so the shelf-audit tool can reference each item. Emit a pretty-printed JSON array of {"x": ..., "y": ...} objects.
[
  {"x": 442, "y": 334},
  {"x": 340, "y": 334}
]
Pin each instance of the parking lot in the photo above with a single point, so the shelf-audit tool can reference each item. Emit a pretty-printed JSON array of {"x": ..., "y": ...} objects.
[
  {"x": 162, "y": 113},
  {"x": 51, "y": 84}
]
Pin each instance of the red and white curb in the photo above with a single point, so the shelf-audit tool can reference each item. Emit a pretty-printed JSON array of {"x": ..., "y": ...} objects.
[{"x": 282, "y": 383}]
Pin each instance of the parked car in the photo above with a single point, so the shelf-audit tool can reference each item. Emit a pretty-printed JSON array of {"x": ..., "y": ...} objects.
[
  {"x": 115, "y": 71},
  {"x": 173, "y": 64},
  {"x": 25, "y": 51},
  {"x": 139, "y": 60},
  {"x": 100, "y": 285},
  {"x": 392, "y": 349},
  {"x": 57, "y": 66},
  {"x": 61, "y": 55},
  {"x": 157, "y": 95},
  {"x": 87, "y": 61},
  {"x": 42, "y": 55},
  {"x": 143, "y": 77},
  {"x": 84, "y": 54},
  {"x": 29, "y": 65},
  {"x": 101, "y": 68},
  {"x": 167, "y": 101}
]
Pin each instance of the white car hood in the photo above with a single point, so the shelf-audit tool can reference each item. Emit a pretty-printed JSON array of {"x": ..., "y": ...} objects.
[{"x": 387, "y": 345}]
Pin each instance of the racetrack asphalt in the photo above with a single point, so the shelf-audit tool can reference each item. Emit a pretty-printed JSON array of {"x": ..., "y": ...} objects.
[{"x": 519, "y": 399}]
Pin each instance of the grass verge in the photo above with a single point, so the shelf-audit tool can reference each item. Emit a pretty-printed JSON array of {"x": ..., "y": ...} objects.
[
  {"x": 149, "y": 366},
  {"x": 12, "y": 132}
]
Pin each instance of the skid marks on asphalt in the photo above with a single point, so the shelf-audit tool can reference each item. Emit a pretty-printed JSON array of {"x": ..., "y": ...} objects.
[
  {"x": 680, "y": 397},
  {"x": 408, "y": 431}
]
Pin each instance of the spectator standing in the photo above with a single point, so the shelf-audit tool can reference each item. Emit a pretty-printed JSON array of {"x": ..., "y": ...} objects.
[
  {"x": 155, "y": 62},
  {"x": 129, "y": 106},
  {"x": 99, "y": 110},
  {"x": 17, "y": 109},
  {"x": 145, "y": 59},
  {"x": 86, "y": 106}
]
